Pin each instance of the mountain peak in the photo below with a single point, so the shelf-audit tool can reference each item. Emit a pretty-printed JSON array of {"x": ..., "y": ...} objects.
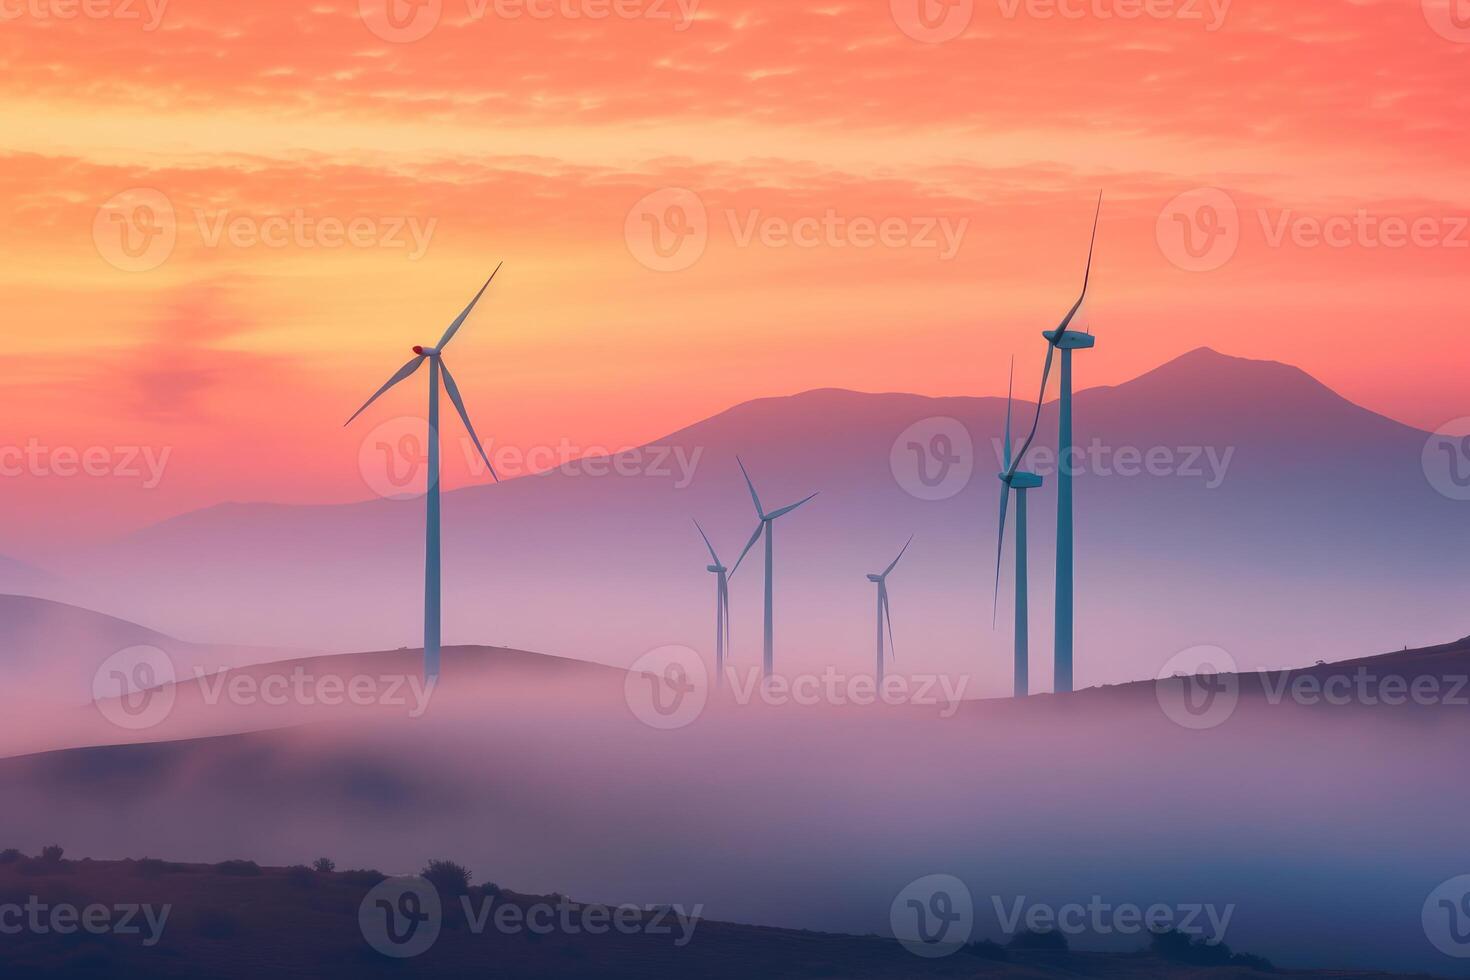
[{"x": 1205, "y": 366}]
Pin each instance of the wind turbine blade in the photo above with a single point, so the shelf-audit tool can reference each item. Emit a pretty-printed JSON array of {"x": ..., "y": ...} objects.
[
  {"x": 888, "y": 618},
  {"x": 1010, "y": 390},
  {"x": 900, "y": 555},
  {"x": 751, "y": 544},
  {"x": 464, "y": 416},
  {"x": 1036, "y": 420},
  {"x": 1087, "y": 276},
  {"x": 760, "y": 511},
  {"x": 707, "y": 544},
  {"x": 403, "y": 373},
  {"x": 1000, "y": 543},
  {"x": 787, "y": 510},
  {"x": 459, "y": 320},
  {"x": 725, "y": 605}
]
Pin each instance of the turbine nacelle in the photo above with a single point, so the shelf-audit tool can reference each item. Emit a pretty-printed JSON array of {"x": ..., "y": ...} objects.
[
  {"x": 1070, "y": 339},
  {"x": 426, "y": 351},
  {"x": 875, "y": 578},
  {"x": 1020, "y": 480},
  {"x": 717, "y": 569}
]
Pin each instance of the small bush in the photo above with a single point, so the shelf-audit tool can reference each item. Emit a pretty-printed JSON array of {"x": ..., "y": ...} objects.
[
  {"x": 239, "y": 869},
  {"x": 362, "y": 878},
  {"x": 1048, "y": 939},
  {"x": 10, "y": 855},
  {"x": 154, "y": 867},
  {"x": 1176, "y": 947},
  {"x": 449, "y": 878},
  {"x": 52, "y": 853},
  {"x": 300, "y": 876},
  {"x": 324, "y": 865},
  {"x": 1252, "y": 962},
  {"x": 987, "y": 950},
  {"x": 490, "y": 890},
  {"x": 41, "y": 868}
]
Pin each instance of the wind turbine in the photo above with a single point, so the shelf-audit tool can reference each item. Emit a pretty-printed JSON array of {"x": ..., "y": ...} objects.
[
  {"x": 1013, "y": 479},
  {"x": 1064, "y": 340},
  {"x": 722, "y": 607},
  {"x": 767, "y": 526},
  {"x": 437, "y": 367},
  {"x": 884, "y": 614}
]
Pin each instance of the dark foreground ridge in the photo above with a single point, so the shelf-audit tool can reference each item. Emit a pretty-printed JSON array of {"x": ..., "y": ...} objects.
[{"x": 152, "y": 918}]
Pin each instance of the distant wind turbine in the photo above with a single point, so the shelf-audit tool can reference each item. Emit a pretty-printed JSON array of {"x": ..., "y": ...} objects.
[
  {"x": 766, "y": 527},
  {"x": 722, "y": 607},
  {"x": 1064, "y": 340},
  {"x": 437, "y": 367},
  {"x": 1019, "y": 481},
  {"x": 885, "y": 615}
]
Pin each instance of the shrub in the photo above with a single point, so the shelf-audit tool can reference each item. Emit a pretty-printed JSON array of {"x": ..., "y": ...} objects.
[
  {"x": 362, "y": 878},
  {"x": 490, "y": 889},
  {"x": 10, "y": 855},
  {"x": 1176, "y": 946},
  {"x": 324, "y": 865},
  {"x": 987, "y": 950},
  {"x": 1047, "y": 939},
  {"x": 300, "y": 876},
  {"x": 1252, "y": 962},
  {"x": 52, "y": 853},
  {"x": 241, "y": 869},
  {"x": 153, "y": 867},
  {"x": 449, "y": 878}
]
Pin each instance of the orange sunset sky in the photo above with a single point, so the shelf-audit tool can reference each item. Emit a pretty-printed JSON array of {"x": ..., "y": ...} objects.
[{"x": 241, "y": 333}]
